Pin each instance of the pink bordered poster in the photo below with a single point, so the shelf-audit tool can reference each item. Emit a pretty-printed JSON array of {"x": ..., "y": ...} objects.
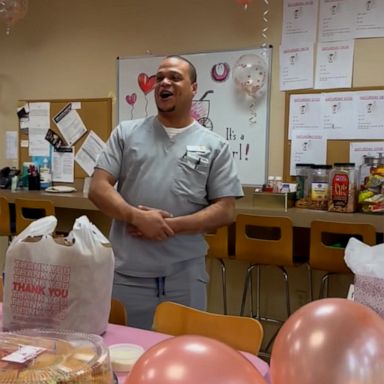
[{"x": 232, "y": 100}]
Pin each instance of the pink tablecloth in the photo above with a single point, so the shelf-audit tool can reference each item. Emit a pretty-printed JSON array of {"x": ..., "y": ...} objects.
[{"x": 116, "y": 334}]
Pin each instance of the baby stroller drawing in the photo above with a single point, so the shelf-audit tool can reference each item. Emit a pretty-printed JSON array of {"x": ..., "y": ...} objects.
[{"x": 200, "y": 111}]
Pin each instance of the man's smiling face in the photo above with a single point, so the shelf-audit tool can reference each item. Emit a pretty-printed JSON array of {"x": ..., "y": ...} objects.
[{"x": 174, "y": 89}]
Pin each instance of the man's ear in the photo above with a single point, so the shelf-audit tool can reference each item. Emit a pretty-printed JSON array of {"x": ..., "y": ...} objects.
[{"x": 194, "y": 88}]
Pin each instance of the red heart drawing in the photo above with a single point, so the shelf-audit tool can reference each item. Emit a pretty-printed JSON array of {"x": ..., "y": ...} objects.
[
  {"x": 131, "y": 99},
  {"x": 146, "y": 83}
]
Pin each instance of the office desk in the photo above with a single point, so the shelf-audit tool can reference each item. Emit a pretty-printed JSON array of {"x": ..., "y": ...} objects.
[
  {"x": 116, "y": 334},
  {"x": 303, "y": 217},
  {"x": 68, "y": 207},
  {"x": 300, "y": 217}
]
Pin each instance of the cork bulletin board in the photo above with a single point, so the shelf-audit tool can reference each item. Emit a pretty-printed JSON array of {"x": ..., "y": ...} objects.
[
  {"x": 96, "y": 115},
  {"x": 337, "y": 149}
]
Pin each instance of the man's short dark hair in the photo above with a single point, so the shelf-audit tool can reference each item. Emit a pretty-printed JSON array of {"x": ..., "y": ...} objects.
[{"x": 192, "y": 69}]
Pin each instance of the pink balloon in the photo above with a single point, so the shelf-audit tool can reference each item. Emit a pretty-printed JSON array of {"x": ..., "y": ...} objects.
[
  {"x": 330, "y": 341},
  {"x": 191, "y": 359}
]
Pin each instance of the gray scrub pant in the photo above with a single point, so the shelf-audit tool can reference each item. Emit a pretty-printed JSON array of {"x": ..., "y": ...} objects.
[{"x": 141, "y": 295}]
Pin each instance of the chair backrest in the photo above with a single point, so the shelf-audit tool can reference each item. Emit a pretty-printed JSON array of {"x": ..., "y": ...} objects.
[
  {"x": 118, "y": 313},
  {"x": 5, "y": 220},
  {"x": 28, "y": 210},
  {"x": 241, "y": 333},
  {"x": 264, "y": 240},
  {"x": 218, "y": 243},
  {"x": 327, "y": 252}
]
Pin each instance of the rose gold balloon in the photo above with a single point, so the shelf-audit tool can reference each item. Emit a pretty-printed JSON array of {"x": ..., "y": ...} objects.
[
  {"x": 193, "y": 360},
  {"x": 332, "y": 341}
]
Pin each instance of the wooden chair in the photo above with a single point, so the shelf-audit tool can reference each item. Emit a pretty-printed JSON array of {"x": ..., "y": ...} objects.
[
  {"x": 118, "y": 313},
  {"x": 241, "y": 333},
  {"x": 28, "y": 210},
  {"x": 5, "y": 219},
  {"x": 264, "y": 241},
  {"x": 218, "y": 249},
  {"x": 327, "y": 245}
]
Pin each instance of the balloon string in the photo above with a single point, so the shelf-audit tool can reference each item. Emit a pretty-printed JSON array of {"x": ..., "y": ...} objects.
[
  {"x": 266, "y": 27},
  {"x": 146, "y": 106},
  {"x": 133, "y": 107}
]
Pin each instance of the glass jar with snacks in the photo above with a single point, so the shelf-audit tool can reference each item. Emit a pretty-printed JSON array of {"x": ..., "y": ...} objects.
[
  {"x": 371, "y": 195},
  {"x": 342, "y": 188},
  {"x": 303, "y": 172},
  {"x": 365, "y": 171},
  {"x": 320, "y": 186}
]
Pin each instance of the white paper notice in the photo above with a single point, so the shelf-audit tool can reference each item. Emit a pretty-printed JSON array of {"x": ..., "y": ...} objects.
[
  {"x": 334, "y": 65},
  {"x": 338, "y": 115},
  {"x": 299, "y": 21},
  {"x": 63, "y": 165},
  {"x": 336, "y": 20},
  {"x": 39, "y": 115},
  {"x": 89, "y": 152},
  {"x": 304, "y": 113},
  {"x": 38, "y": 126},
  {"x": 307, "y": 147},
  {"x": 70, "y": 124},
  {"x": 369, "y": 111},
  {"x": 11, "y": 145},
  {"x": 369, "y": 18},
  {"x": 296, "y": 67},
  {"x": 357, "y": 151}
]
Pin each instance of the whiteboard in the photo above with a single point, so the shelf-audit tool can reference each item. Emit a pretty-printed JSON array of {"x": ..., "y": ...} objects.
[{"x": 220, "y": 103}]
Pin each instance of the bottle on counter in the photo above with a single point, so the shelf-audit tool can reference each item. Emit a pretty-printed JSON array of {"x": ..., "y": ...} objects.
[
  {"x": 278, "y": 184},
  {"x": 270, "y": 184},
  {"x": 45, "y": 175}
]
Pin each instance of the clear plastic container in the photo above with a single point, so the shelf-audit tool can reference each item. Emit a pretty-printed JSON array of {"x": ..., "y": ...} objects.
[
  {"x": 371, "y": 194},
  {"x": 342, "y": 188},
  {"x": 365, "y": 171},
  {"x": 320, "y": 186},
  {"x": 303, "y": 173},
  {"x": 37, "y": 356}
]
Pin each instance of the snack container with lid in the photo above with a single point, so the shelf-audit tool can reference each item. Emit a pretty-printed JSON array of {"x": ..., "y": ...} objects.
[{"x": 41, "y": 356}]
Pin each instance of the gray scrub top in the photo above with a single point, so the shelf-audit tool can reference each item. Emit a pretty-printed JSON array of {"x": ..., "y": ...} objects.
[{"x": 180, "y": 175}]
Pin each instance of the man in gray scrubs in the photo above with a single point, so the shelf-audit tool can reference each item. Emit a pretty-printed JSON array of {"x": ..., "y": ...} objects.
[{"x": 176, "y": 180}]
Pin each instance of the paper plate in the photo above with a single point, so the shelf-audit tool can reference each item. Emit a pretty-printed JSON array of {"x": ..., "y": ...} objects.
[
  {"x": 60, "y": 189},
  {"x": 123, "y": 356}
]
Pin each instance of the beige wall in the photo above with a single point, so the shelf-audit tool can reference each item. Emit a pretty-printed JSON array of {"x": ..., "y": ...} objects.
[{"x": 68, "y": 49}]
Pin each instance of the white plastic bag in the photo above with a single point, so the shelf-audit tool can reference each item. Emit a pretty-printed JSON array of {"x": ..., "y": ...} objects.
[
  {"x": 367, "y": 263},
  {"x": 57, "y": 283}
]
